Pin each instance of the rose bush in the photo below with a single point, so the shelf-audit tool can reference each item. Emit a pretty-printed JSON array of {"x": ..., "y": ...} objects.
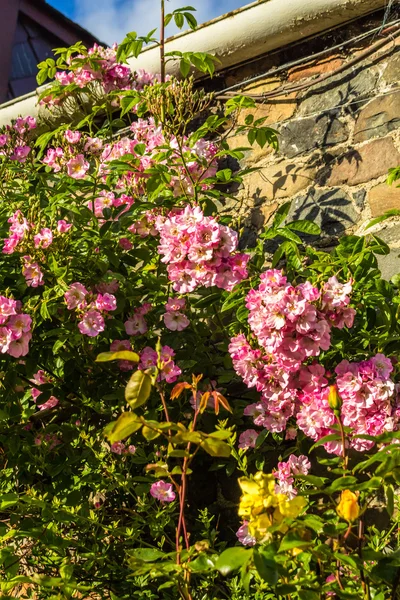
[{"x": 182, "y": 417}]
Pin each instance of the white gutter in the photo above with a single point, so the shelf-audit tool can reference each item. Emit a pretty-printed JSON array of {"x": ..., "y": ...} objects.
[{"x": 238, "y": 36}]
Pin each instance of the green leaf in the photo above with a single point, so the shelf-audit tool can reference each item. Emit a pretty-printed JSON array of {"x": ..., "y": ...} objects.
[
  {"x": 389, "y": 496},
  {"x": 184, "y": 67},
  {"x": 147, "y": 554},
  {"x": 342, "y": 484},
  {"x": 288, "y": 235},
  {"x": 346, "y": 559},
  {"x": 305, "y": 227},
  {"x": 191, "y": 21},
  {"x": 179, "y": 20},
  {"x": 138, "y": 389},
  {"x": 123, "y": 427},
  {"x": 215, "y": 447},
  {"x": 332, "y": 437},
  {"x": 201, "y": 564},
  {"x": 293, "y": 540},
  {"x": 281, "y": 214},
  {"x": 122, "y": 355},
  {"x": 208, "y": 300},
  {"x": 150, "y": 433},
  {"x": 266, "y": 567},
  {"x": 7, "y": 500},
  {"x": 394, "y": 212},
  {"x": 232, "y": 559},
  {"x": 183, "y": 437}
]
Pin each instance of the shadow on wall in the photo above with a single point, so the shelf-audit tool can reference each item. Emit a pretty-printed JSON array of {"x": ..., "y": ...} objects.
[{"x": 331, "y": 209}]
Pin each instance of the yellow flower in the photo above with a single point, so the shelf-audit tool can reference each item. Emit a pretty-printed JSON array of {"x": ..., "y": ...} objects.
[
  {"x": 259, "y": 526},
  {"x": 263, "y": 507},
  {"x": 334, "y": 400},
  {"x": 348, "y": 507},
  {"x": 292, "y": 508}
]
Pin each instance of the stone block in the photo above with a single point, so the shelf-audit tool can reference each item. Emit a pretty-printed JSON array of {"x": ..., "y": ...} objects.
[
  {"x": 378, "y": 118},
  {"x": 383, "y": 197},
  {"x": 267, "y": 84},
  {"x": 359, "y": 199},
  {"x": 281, "y": 180},
  {"x": 273, "y": 111},
  {"x": 304, "y": 135},
  {"x": 361, "y": 164},
  {"x": 331, "y": 209},
  {"x": 391, "y": 235},
  {"x": 305, "y": 71},
  {"x": 255, "y": 153},
  {"x": 389, "y": 265},
  {"x": 338, "y": 90},
  {"x": 261, "y": 215},
  {"x": 391, "y": 74}
]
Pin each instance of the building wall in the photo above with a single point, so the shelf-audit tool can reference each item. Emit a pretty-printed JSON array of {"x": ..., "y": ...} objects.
[
  {"x": 338, "y": 137},
  {"x": 29, "y": 30}
]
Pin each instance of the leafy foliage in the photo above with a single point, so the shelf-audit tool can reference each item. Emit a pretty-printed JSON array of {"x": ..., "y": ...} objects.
[{"x": 123, "y": 417}]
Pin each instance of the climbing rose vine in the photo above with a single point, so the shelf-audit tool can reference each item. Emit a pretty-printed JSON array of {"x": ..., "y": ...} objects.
[{"x": 182, "y": 415}]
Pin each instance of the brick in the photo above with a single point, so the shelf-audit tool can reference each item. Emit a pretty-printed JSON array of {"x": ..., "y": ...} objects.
[
  {"x": 363, "y": 164},
  {"x": 304, "y": 135},
  {"x": 378, "y": 118},
  {"x": 282, "y": 180},
  {"x": 383, "y": 197},
  {"x": 305, "y": 72}
]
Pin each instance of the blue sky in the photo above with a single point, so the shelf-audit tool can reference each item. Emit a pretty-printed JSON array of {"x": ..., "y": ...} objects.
[{"x": 109, "y": 20}]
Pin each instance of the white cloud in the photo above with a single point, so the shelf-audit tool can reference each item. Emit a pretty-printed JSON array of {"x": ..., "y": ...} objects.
[{"x": 110, "y": 20}]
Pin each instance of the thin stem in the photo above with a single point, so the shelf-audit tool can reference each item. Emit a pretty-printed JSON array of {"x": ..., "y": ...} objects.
[
  {"x": 164, "y": 403},
  {"x": 364, "y": 583},
  {"x": 162, "y": 42},
  {"x": 343, "y": 437}
]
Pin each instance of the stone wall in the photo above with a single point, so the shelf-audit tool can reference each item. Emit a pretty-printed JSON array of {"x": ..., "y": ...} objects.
[{"x": 338, "y": 137}]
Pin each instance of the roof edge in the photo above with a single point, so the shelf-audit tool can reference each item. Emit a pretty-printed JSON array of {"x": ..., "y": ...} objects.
[{"x": 238, "y": 36}]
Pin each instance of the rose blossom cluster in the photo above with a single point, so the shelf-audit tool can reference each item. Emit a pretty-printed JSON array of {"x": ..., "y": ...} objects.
[
  {"x": 291, "y": 324},
  {"x": 15, "y": 328},
  {"x": 169, "y": 371},
  {"x": 91, "y": 308},
  {"x": 369, "y": 405},
  {"x": 199, "y": 251},
  {"x": 248, "y": 439},
  {"x": 162, "y": 491},
  {"x": 22, "y": 238},
  {"x": 71, "y": 158},
  {"x": 110, "y": 74},
  {"x": 13, "y": 141},
  {"x": 146, "y": 225},
  {"x": 286, "y": 472},
  {"x": 136, "y": 324},
  {"x": 174, "y": 318},
  {"x": 110, "y": 200},
  {"x": 40, "y": 378},
  {"x": 200, "y": 162},
  {"x": 120, "y": 448}
]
